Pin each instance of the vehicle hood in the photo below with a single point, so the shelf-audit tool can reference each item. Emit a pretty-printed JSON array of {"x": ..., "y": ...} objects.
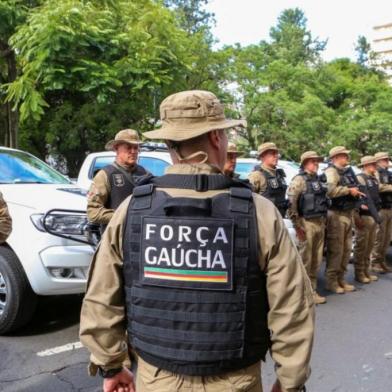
[{"x": 44, "y": 197}]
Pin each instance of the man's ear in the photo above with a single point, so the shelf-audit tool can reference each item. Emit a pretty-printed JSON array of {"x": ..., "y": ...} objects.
[{"x": 214, "y": 138}]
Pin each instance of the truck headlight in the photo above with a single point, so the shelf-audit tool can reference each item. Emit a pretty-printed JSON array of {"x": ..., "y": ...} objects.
[{"x": 68, "y": 224}]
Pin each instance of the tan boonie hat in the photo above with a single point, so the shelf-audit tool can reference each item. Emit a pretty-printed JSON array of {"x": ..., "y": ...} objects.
[
  {"x": 381, "y": 155},
  {"x": 310, "y": 155},
  {"x": 266, "y": 147},
  {"x": 232, "y": 148},
  {"x": 189, "y": 114},
  {"x": 128, "y": 136},
  {"x": 367, "y": 160},
  {"x": 338, "y": 150}
]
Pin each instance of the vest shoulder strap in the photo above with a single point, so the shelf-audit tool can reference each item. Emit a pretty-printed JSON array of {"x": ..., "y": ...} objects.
[{"x": 198, "y": 182}]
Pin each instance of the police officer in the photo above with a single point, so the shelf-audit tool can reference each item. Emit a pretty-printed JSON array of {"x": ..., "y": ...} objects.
[
  {"x": 365, "y": 224},
  {"x": 231, "y": 161},
  {"x": 308, "y": 210},
  {"x": 5, "y": 220},
  {"x": 384, "y": 229},
  {"x": 115, "y": 182},
  {"x": 344, "y": 195},
  {"x": 200, "y": 271},
  {"x": 268, "y": 180}
]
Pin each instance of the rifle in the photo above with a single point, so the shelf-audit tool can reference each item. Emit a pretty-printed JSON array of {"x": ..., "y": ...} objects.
[{"x": 366, "y": 200}]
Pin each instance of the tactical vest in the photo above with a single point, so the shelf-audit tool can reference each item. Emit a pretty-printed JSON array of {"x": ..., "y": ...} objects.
[
  {"x": 372, "y": 191},
  {"x": 347, "y": 202},
  {"x": 121, "y": 183},
  {"x": 276, "y": 189},
  {"x": 313, "y": 202},
  {"x": 386, "y": 197},
  {"x": 195, "y": 294}
]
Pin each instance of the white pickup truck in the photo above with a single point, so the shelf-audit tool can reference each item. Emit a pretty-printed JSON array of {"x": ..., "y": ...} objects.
[{"x": 47, "y": 252}]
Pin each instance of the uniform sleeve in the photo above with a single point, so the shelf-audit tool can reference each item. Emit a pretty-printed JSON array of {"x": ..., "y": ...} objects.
[
  {"x": 335, "y": 190},
  {"x": 291, "y": 314},
  {"x": 383, "y": 187},
  {"x": 5, "y": 220},
  {"x": 102, "y": 321},
  {"x": 97, "y": 197},
  {"x": 257, "y": 179},
  {"x": 297, "y": 186}
]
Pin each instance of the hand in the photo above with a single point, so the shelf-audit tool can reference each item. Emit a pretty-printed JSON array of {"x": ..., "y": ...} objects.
[
  {"x": 355, "y": 192},
  {"x": 276, "y": 387},
  {"x": 121, "y": 382},
  {"x": 301, "y": 235}
]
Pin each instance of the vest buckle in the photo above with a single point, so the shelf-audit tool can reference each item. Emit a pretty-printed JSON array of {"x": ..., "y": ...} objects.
[{"x": 201, "y": 184}]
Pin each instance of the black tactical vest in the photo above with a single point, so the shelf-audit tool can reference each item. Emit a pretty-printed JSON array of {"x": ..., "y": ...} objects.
[
  {"x": 347, "y": 202},
  {"x": 386, "y": 197},
  {"x": 195, "y": 295},
  {"x": 372, "y": 192},
  {"x": 276, "y": 189},
  {"x": 313, "y": 202},
  {"x": 121, "y": 183}
]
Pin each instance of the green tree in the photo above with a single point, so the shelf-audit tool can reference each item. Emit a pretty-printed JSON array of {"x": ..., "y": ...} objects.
[
  {"x": 291, "y": 40},
  {"x": 13, "y": 13}
]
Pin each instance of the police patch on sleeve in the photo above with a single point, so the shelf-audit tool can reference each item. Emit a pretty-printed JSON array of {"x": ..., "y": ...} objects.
[{"x": 189, "y": 253}]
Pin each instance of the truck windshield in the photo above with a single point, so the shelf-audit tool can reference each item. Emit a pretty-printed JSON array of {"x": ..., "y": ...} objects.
[{"x": 18, "y": 167}]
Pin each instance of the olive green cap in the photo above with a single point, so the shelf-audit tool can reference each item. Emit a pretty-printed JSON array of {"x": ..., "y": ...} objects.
[
  {"x": 338, "y": 150},
  {"x": 129, "y": 136},
  {"x": 189, "y": 114}
]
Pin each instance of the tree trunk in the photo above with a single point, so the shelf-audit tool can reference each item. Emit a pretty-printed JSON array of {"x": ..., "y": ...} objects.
[{"x": 12, "y": 116}]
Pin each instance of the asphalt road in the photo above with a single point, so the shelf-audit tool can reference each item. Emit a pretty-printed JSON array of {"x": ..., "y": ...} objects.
[{"x": 352, "y": 352}]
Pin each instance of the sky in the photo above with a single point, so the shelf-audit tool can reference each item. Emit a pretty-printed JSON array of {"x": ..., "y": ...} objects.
[{"x": 339, "y": 21}]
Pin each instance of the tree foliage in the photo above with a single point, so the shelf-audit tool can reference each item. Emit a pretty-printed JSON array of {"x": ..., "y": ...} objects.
[{"x": 85, "y": 69}]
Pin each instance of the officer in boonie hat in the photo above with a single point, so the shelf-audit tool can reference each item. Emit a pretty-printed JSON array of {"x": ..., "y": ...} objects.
[
  {"x": 384, "y": 229},
  {"x": 115, "y": 182},
  {"x": 178, "y": 256}
]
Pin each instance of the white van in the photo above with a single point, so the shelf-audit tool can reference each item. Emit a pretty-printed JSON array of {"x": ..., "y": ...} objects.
[{"x": 47, "y": 252}]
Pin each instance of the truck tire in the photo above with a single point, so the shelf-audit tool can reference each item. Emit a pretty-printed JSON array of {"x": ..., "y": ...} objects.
[{"x": 17, "y": 299}]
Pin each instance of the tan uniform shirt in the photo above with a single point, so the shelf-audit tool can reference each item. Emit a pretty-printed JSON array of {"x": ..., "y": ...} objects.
[
  {"x": 258, "y": 180},
  {"x": 5, "y": 220},
  {"x": 296, "y": 188},
  {"x": 334, "y": 189},
  {"x": 291, "y": 315},
  {"x": 97, "y": 198}
]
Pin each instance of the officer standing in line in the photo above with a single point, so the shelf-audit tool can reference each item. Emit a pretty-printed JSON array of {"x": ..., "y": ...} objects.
[
  {"x": 5, "y": 220},
  {"x": 115, "y": 182},
  {"x": 344, "y": 197},
  {"x": 199, "y": 272},
  {"x": 231, "y": 161},
  {"x": 384, "y": 229},
  {"x": 308, "y": 211},
  {"x": 365, "y": 224},
  {"x": 268, "y": 180}
]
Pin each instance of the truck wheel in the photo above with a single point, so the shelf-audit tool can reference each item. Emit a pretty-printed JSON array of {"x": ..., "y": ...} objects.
[{"x": 17, "y": 299}]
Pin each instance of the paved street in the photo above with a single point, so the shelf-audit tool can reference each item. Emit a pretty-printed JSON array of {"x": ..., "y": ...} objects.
[{"x": 353, "y": 349}]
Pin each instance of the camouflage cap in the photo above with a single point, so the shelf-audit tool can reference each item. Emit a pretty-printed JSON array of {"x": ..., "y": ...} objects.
[
  {"x": 266, "y": 147},
  {"x": 338, "y": 150},
  {"x": 128, "y": 136},
  {"x": 381, "y": 155},
  {"x": 367, "y": 160},
  {"x": 189, "y": 114},
  {"x": 232, "y": 148},
  {"x": 310, "y": 155}
]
